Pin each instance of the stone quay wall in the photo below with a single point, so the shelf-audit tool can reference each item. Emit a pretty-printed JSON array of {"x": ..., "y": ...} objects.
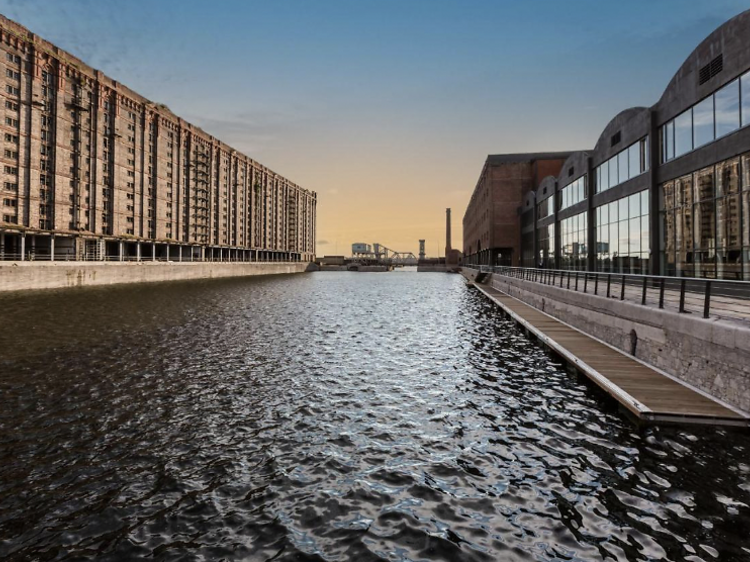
[{"x": 21, "y": 276}]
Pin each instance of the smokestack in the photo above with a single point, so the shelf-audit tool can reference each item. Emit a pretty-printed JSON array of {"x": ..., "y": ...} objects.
[{"x": 448, "y": 247}]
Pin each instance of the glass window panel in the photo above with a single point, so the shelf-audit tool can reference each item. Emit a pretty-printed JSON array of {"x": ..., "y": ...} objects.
[
  {"x": 635, "y": 235},
  {"x": 623, "y": 209},
  {"x": 598, "y": 179},
  {"x": 605, "y": 214},
  {"x": 684, "y": 241},
  {"x": 604, "y": 234},
  {"x": 746, "y": 221},
  {"x": 727, "y": 177},
  {"x": 667, "y": 195},
  {"x": 613, "y": 238},
  {"x": 729, "y": 264},
  {"x": 683, "y": 133},
  {"x": 704, "y": 184},
  {"x": 670, "y": 140},
  {"x": 645, "y": 235},
  {"x": 622, "y": 228},
  {"x": 613, "y": 211},
  {"x": 634, "y": 160},
  {"x": 684, "y": 191},
  {"x": 634, "y": 205},
  {"x": 644, "y": 202},
  {"x": 605, "y": 176},
  {"x": 612, "y": 171},
  {"x": 727, "y": 102},
  {"x": 745, "y": 87},
  {"x": 644, "y": 155},
  {"x": 728, "y": 222},
  {"x": 668, "y": 234},
  {"x": 703, "y": 122},
  {"x": 622, "y": 164},
  {"x": 705, "y": 226}
]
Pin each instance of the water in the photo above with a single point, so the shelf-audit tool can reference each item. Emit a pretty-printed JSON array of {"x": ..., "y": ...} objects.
[{"x": 333, "y": 416}]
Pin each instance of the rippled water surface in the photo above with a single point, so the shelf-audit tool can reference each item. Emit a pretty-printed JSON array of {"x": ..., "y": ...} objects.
[{"x": 333, "y": 416}]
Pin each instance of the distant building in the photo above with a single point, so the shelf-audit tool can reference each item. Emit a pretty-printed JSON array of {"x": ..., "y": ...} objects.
[
  {"x": 491, "y": 224},
  {"x": 93, "y": 170},
  {"x": 360, "y": 248},
  {"x": 666, "y": 189}
]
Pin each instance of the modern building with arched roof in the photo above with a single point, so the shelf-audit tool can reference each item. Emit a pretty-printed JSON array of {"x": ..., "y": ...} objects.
[{"x": 666, "y": 189}]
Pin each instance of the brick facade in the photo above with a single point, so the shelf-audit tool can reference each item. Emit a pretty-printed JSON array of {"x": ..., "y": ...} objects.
[{"x": 86, "y": 158}]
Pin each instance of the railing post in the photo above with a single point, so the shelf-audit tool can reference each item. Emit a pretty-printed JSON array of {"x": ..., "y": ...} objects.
[
  {"x": 596, "y": 283},
  {"x": 643, "y": 298},
  {"x": 585, "y": 281},
  {"x": 661, "y": 293},
  {"x": 562, "y": 278},
  {"x": 576, "y": 281},
  {"x": 707, "y": 300},
  {"x": 609, "y": 284},
  {"x": 682, "y": 296},
  {"x": 622, "y": 289},
  {"x": 568, "y": 279}
]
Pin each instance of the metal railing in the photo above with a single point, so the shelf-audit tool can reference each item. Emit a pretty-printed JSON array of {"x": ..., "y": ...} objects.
[{"x": 717, "y": 297}]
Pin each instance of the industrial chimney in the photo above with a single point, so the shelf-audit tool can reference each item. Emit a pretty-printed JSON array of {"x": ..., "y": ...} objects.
[{"x": 448, "y": 246}]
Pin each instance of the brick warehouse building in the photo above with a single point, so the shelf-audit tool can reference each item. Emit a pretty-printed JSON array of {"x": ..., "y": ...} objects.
[
  {"x": 666, "y": 189},
  {"x": 491, "y": 222},
  {"x": 92, "y": 170}
]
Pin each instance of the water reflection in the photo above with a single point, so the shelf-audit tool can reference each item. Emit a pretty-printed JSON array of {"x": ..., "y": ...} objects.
[{"x": 332, "y": 416}]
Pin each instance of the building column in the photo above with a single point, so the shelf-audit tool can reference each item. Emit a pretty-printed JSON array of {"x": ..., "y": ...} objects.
[
  {"x": 153, "y": 251},
  {"x": 2, "y": 245},
  {"x": 203, "y": 253},
  {"x": 180, "y": 254},
  {"x": 138, "y": 251},
  {"x": 52, "y": 248},
  {"x": 23, "y": 247},
  {"x": 121, "y": 250},
  {"x": 654, "y": 216},
  {"x": 590, "y": 218}
]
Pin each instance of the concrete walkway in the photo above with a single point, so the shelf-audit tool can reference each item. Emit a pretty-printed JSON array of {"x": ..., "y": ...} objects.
[{"x": 649, "y": 395}]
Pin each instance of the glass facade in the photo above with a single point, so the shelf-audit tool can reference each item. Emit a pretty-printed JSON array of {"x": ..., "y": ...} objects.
[
  {"x": 573, "y": 234},
  {"x": 622, "y": 235},
  {"x": 546, "y": 240},
  {"x": 573, "y": 193},
  {"x": 544, "y": 208},
  {"x": 704, "y": 222},
  {"x": 626, "y": 164},
  {"x": 721, "y": 113}
]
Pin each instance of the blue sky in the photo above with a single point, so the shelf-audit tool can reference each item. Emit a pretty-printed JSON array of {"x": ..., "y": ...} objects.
[{"x": 386, "y": 108}]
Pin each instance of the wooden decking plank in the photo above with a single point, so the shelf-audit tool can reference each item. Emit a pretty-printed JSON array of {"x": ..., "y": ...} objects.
[{"x": 644, "y": 391}]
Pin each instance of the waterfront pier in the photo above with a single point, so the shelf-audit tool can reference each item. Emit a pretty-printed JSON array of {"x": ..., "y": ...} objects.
[{"x": 662, "y": 365}]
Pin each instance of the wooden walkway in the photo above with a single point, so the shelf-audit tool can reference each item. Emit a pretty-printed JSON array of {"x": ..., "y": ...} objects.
[{"x": 647, "y": 394}]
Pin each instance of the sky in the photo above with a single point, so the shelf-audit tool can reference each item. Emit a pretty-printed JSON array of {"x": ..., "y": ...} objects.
[{"x": 386, "y": 108}]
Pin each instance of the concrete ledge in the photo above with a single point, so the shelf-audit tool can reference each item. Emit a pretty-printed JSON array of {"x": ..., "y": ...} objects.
[{"x": 22, "y": 276}]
